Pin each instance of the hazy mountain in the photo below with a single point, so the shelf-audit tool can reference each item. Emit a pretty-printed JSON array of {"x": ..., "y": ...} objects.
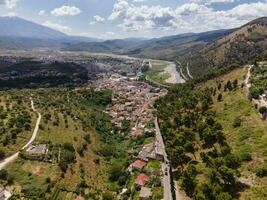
[
  {"x": 18, "y": 33},
  {"x": 167, "y": 48},
  {"x": 17, "y": 27},
  {"x": 171, "y": 47}
]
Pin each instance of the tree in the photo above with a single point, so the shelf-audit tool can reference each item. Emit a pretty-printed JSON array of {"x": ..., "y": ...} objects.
[
  {"x": 261, "y": 172},
  {"x": 3, "y": 174},
  {"x": 2, "y": 154},
  {"x": 219, "y": 98},
  {"x": 237, "y": 122},
  {"x": 188, "y": 181},
  {"x": 263, "y": 111}
]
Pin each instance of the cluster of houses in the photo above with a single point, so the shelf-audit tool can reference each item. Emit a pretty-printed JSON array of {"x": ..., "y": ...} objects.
[
  {"x": 132, "y": 101},
  {"x": 149, "y": 152}
]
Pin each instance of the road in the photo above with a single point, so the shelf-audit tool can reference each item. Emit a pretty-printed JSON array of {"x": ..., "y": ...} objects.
[
  {"x": 13, "y": 157},
  {"x": 165, "y": 165},
  {"x": 188, "y": 72}
]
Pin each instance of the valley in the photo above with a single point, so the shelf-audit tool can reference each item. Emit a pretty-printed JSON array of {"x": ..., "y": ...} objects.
[{"x": 170, "y": 118}]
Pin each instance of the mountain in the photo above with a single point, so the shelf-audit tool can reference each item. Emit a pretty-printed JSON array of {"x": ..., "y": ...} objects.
[
  {"x": 17, "y": 27},
  {"x": 18, "y": 33},
  {"x": 245, "y": 44},
  {"x": 115, "y": 46},
  {"x": 167, "y": 48},
  {"x": 171, "y": 47}
]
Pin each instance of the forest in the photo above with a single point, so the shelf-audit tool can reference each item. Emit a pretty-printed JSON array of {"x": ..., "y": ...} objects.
[{"x": 196, "y": 145}]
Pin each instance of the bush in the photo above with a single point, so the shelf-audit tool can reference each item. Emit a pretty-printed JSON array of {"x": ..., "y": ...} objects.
[
  {"x": 261, "y": 172},
  {"x": 2, "y": 154},
  {"x": 3, "y": 174},
  {"x": 237, "y": 122},
  {"x": 245, "y": 157}
]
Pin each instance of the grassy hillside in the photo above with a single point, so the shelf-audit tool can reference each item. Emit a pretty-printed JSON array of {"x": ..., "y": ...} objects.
[
  {"x": 245, "y": 132},
  {"x": 72, "y": 130},
  {"x": 215, "y": 139},
  {"x": 245, "y": 44}
]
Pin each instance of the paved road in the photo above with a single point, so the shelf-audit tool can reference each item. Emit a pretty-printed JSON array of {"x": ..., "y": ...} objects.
[
  {"x": 165, "y": 165},
  {"x": 13, "y": 157}
]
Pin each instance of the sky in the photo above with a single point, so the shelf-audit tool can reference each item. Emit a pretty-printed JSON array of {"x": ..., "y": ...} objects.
[{"x": 109, "y": 19}]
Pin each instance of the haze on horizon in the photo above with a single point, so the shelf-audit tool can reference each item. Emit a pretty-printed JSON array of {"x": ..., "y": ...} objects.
[{"x": 135, "y": 18}]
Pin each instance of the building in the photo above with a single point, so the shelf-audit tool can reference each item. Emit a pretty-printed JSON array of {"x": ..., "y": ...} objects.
[
  {"x": 37, "y": 149},
  {"x": 138, "y": 164},
  {"x": 147, "y": 153},
  {"x": 141, "y": 180},
  {"x": 145, "y": 193}
]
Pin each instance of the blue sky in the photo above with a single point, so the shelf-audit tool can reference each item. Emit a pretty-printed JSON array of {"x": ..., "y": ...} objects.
[{"x": 135, "y": 18}]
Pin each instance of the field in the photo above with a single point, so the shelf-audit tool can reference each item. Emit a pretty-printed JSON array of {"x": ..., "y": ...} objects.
[
  {"x": 156, "y": 74},
  {"x": 16, "y": 122},
  {"x": 66, "y": 119},
  {"x": 245, "y": 131}
]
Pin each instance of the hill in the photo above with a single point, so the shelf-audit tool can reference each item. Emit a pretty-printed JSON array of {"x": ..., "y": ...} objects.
[
  {"x": 171, "y": 47},
  {"x": 235, "y": 49},
  {"x": 33, "y": 74},
  {"x": 167, "y": 48}
]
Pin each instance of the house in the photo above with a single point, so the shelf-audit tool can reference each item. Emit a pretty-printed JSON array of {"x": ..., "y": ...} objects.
[
  {"x": 141, "y": 180},
  {"x": 39, "y": 149},
  {"x": 145, "y": 193},
  {"x": 147, "y": 152},
  {"x": 138, "y": 164}
]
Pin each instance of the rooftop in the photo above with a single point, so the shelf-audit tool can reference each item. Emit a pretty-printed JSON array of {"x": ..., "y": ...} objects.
[
  {"x": 141, "y": 180},
  {"x": 145, "y": 192},
  {"x": 139, "y": 164}
]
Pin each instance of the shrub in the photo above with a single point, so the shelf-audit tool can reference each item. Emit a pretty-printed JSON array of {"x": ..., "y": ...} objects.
[
  {"x": 261, "y": 172},
  {"x": 237, "y": 122},
  {"x": 244, "y": 157}
]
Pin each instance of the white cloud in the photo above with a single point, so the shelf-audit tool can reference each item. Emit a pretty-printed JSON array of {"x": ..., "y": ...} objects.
[
  {"x": 97, "y": 19},
  {"x": 57, "y": 26},
  {"x": 9, "y": 3},
  {"x": 9, "y": 14},
  {"x": 66, "y": 10},
  {"x": 108, "y": 35},
  {"x": 212, "y": 1},
  {"x": 41, "y": 12},
  {"x": 188, "y": 17}
]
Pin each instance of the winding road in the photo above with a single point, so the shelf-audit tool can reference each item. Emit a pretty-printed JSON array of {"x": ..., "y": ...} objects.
[{"x": 13, "y": 157}]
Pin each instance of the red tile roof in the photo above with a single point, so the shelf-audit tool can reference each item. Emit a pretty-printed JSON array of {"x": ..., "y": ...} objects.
[
  {"x": 141, "y": 180},
  {"x": 139, "y": 164}
]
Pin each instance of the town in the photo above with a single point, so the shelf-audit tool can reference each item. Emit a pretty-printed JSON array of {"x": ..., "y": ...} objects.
[{"x": 132, "y": 108}]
